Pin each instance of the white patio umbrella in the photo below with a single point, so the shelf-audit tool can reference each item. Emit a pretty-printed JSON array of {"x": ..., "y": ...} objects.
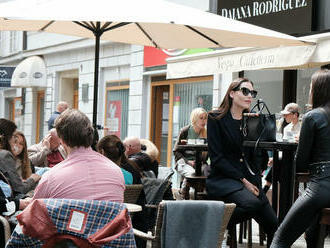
[{"x": 143, "y": 22}]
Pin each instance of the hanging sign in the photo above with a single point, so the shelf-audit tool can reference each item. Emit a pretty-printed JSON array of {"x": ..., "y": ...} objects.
[{"x": 6, "y": 73}]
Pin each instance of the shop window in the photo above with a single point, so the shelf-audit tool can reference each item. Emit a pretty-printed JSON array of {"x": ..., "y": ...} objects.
[
  {"x": 116, "y": 119},
  {"x": 171, "y": 105},
  {"x": 187, "y": 97}
]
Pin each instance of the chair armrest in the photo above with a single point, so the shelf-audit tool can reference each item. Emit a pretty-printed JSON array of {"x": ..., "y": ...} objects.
[
  {"x": 151, "y": 206},
  {"x": 143, "y": 235},
  {"x": 6, "y": 228}
]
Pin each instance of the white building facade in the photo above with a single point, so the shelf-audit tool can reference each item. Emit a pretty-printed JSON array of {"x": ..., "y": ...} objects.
[{"x": 124, "y": 94}]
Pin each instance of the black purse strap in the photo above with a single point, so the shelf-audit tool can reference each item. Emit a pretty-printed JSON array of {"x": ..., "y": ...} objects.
[{"x": 263, "y": 105}]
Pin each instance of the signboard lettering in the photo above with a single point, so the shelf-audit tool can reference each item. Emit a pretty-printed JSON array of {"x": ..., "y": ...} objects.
[
  {"x": 6, "y": 73},
  {"x": 288, "y": 16}
]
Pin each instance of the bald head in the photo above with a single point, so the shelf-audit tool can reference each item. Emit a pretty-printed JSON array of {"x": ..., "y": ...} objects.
[
  {"x": 132, "y": 145},
  {"x": 62, "y": 106}
]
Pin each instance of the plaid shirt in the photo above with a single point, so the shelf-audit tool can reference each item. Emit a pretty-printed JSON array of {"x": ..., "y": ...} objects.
[{"x": 79, "y": 218}]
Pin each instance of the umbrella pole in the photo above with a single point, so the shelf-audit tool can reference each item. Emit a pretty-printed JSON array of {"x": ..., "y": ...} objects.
[{"x": 97, "y": 34}]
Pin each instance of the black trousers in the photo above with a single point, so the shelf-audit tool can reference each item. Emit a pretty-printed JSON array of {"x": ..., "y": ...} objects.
[
  {"x": 303, "y": 216},
  {"x": 250, "y": 206}
]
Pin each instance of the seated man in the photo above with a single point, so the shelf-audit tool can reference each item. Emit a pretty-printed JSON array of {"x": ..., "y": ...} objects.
[
  {"x": 84, "y": 174},
  {"x": 134, "y": 153},
  {"x": 48, "y": 152}
]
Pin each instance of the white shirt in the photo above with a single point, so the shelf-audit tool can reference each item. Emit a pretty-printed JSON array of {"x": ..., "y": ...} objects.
[{"x": 291, "y": 130}]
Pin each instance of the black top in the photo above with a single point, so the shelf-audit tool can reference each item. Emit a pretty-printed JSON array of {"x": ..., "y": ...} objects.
[
  {"x": 229, "y": 158},
  {"x": 314, "y": 140},
  {"x": 136, "y": 174},
  {"x": 144, "y": 162}
]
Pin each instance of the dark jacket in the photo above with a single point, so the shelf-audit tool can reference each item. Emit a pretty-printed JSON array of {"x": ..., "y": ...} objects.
[
  {"x": 314, "y": 140},
  {"x": 8, "y": 169},
  {"x": 144, "y": 162},
  {"x": 52, "y": 119},
  {"x": 229, "y": 158},
  {"x": 4, "y": 200}
]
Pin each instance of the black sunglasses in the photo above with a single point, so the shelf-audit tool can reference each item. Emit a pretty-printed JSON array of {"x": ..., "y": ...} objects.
[{"x": 247, "y": 91}]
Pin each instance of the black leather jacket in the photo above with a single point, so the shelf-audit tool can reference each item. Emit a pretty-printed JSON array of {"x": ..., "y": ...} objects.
[{"x": 314, "y": 140}]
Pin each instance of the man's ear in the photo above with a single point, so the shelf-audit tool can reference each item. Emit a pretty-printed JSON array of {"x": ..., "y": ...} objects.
[{"x": 101, "y": 151}]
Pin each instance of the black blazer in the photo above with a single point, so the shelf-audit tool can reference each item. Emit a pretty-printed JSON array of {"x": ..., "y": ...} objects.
[{"x": 229, "y": 158}]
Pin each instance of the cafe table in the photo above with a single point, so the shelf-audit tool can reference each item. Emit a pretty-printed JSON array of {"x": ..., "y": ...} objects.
[
  {"x": 197, "y": 181},
  {"x": 133, "y": 208},
  {"x": 283, "y": 174}
]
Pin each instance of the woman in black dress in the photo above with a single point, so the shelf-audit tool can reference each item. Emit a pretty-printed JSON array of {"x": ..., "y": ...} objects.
[{"x": 235, "y": 170}]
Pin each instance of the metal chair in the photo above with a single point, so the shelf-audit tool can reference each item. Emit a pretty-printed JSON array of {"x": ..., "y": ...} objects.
[{"x": 155, "y": 237}]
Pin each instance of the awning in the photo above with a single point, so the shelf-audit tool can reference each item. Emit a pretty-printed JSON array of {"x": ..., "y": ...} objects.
[
  {"x": 31, "y": 72},
  {"x": 239, "y": 59}
]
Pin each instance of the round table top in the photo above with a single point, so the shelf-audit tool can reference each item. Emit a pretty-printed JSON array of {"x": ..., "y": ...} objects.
[{"x": 132, "y": 208}]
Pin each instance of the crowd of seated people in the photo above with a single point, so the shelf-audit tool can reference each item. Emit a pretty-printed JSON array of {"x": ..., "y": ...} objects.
[
  {"x": 235, "y": 176},
  {"x": 70, "y": 167}
]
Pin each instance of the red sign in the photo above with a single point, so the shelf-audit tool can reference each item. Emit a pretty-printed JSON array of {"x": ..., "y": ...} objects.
[
  {"x": 154, "y": 57},
  {"x": 113, "y": 120}
]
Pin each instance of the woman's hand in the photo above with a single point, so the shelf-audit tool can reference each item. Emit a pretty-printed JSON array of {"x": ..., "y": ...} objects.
[{"x": 251, "y": 187}]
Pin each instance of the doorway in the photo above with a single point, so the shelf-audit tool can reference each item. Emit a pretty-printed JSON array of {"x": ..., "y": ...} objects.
[
  {"x": 40, "y": 115},
  {"x": 160, "y": 120},
  {"x": 69, "y": 88}
]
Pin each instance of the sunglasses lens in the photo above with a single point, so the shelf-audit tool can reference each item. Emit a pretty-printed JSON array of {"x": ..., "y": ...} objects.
[{"x": 245, "y": 91}]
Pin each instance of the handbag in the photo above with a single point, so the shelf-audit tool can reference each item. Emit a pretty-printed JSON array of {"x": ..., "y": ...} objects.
[{"x": 259, "y": 126}]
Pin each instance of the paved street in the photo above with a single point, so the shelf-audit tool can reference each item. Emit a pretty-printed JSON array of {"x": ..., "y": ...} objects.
[{"x": 300, "y": 243}]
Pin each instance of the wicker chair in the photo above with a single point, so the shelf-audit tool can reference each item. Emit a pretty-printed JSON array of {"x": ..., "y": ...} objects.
[
  {"x": 5, "y": 231},
  {"x": 132, "y": 193},
  {"x": 156, "y": 238}
]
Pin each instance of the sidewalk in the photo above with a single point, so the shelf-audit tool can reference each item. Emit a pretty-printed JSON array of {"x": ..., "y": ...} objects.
[{"x": 300, "y": 243}]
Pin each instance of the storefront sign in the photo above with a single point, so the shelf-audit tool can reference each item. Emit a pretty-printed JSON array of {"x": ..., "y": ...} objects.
[
  {"x": 238, "y": 60},
  {"x": 6, "y": 73},
  {"x": 287, "y": 16},
  {"x": 113, "y": 121}
]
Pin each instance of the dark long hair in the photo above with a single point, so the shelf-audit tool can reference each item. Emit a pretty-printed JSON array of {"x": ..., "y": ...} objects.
[
  {"x": 320, "y": 92},
  {"x": 23, "y": 156},
  {"x": 7, "y": 129},
  {"x": 112, "y": 148},
  {"x": 227, "y": 101}
]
